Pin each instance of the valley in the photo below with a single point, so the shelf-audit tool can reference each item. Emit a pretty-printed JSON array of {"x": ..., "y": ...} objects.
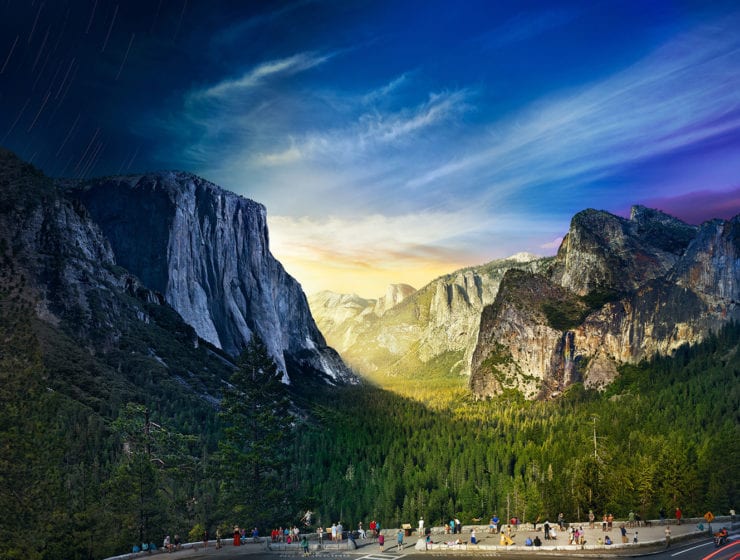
[{"x": 180, "y": 389}]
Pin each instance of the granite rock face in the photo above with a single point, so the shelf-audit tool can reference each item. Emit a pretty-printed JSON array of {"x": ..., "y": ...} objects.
[
  {"x": 206, "y": 250},
  {"x": 619, "y": 291}
]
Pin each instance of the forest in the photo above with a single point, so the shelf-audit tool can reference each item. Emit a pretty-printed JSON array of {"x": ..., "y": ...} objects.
[{"x": 89, "y": 476}]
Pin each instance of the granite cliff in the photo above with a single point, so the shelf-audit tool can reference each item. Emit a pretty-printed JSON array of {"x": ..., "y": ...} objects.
[
  {"x": 619, "y": 291},
  {"x": 206, "y": 250}
]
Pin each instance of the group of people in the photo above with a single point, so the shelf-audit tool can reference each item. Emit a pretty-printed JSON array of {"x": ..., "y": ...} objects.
[
  {"x": 286, "y": 535},
  {"x": 454, "y": 526},
  {"x": 171, "y": 544},
  {"x": 240, "y": 536}
]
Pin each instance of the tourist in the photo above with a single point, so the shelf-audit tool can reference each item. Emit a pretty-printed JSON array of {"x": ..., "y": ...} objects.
[
  {"x": 667, "y": 536},
  {"x": 304, "y": 545},
  {"x": 381, "y": 541},
  {"x": 678, "y": 516},
  {"x": 399, "y": 538}
]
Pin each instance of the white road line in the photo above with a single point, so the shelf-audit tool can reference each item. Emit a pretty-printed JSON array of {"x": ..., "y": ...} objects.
[{"x": 692, "y": 548}]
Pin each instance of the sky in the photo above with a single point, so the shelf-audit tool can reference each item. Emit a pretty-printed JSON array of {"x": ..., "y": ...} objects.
[{"x": 390, "y": 141}]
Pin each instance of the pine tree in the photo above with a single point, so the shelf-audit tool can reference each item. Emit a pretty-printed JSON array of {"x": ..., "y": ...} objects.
[{"x": 254, "y": 449}]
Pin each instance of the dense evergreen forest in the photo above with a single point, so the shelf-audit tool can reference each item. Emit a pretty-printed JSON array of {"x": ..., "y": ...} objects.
[{"x": 86, "y": 470}]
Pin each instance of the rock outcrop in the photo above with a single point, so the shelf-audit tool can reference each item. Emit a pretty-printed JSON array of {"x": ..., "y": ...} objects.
[
  {"x": 619, "y": 291},
  {"x": 207, "y": 251}
]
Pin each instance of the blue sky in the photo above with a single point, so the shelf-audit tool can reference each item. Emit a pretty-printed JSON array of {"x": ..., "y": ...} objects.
[{"x": 389, "y": 141}]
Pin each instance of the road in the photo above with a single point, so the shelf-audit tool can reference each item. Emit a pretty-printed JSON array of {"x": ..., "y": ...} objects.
[{"x": 697, "y": 548}]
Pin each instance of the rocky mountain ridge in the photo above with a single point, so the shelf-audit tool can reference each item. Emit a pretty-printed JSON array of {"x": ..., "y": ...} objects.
[{"x": 619, "y": 291}]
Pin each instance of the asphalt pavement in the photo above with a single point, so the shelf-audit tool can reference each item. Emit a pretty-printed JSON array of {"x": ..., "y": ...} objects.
[{"x": 689, "y": 541}]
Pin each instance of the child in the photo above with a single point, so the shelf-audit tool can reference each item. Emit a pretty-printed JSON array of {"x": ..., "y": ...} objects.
[{"x": 304, "y": 545}]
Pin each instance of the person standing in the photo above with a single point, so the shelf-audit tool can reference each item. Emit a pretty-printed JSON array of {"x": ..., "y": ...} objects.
[
  {"x": 667, "y": 536},
  {"x": 591, "y": 518},
  {"x": 678, "y": 516},
  {"x": 547, "y": 530},
  {"x": 205, "y": 538},
  {"x": 381, "y": 540},
  {"x": 561, "y": 520},
  {"x": 340, "y": 532},
  {"x": 421, "y": 526},
  {"x": 399, "y": 538},
  {"x": 333, "y": 531},
  {"x": 304, "y": 545},
  {"x": 237, "y": 536}
]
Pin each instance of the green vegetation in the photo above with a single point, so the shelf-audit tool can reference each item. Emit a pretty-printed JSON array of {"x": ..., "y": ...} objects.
[
  {"x": 253, "y": 453},
  {"x": 667, "y": 435},
  {"x": 564, "y": 315}
]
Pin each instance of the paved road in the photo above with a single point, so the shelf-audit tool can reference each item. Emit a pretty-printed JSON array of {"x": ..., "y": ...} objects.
[
  {"x": 688, "y": 544},
  {"x": 697, "y": 550}
]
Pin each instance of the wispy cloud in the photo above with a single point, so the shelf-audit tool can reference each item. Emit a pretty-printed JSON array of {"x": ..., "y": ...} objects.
[
  {"x": 385, "y": 90},
  {"x": 256, "y": 76},
  {"x": 369, "y": 131}
]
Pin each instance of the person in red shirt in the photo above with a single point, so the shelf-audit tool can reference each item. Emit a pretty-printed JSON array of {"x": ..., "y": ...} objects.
[{"x": 678, "y": 515}]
